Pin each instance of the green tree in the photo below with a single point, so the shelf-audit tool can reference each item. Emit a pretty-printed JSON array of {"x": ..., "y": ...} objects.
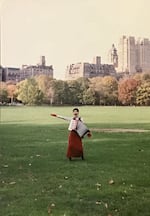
[
  {"x": 106, "y": 90},
  {"x": 3, "y": 96},
  {"x": 82, "y": 85},
  {"x": 110, "y": 90},
  {"x": 145, "y": 76},
  {"x": 3, "y": 93},
  {"x": 45, "y": 84},
  {"x": 89, "y": 97},
  {"x": 143, "y": 94},
  {"x": 77, "y": 90},
  {"x": 29, "y": 92},
  {"x": 74, "y": 94},
  {"x": 96, "y": 85},
  {"x": 60, "y": 92}
]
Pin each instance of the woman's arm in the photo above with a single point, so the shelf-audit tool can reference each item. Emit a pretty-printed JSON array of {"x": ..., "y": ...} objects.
[{"x": 61, "y": 117}]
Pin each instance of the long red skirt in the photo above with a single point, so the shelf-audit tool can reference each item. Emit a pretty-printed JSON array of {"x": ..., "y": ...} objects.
[{"x": 75, "y": 148}]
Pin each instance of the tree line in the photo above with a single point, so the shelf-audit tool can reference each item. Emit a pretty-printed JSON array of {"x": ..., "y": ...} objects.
[{"x": 133, "y": 90}]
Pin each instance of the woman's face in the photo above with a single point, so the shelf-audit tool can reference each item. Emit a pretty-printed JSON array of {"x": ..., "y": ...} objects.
[{"x": 75, "y": 113}]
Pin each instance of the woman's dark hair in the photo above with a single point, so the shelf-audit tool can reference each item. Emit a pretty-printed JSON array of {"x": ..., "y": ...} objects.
[{"x": 76, "y": 109}]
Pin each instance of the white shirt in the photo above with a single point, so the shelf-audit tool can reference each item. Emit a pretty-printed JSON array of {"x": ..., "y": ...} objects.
[{"x": 73, "y": 122}]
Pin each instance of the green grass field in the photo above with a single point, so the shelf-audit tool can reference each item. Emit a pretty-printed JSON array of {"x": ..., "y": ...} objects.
[{"x": 36, "y": 179}]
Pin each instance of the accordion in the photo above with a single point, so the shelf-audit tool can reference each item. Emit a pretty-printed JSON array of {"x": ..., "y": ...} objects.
[{"x": 81, "y": 129}]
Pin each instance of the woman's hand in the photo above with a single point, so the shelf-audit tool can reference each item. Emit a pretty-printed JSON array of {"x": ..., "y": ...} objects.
[
  {"x": 53, "y": 114},
  {"x": 89, "y": 134}
]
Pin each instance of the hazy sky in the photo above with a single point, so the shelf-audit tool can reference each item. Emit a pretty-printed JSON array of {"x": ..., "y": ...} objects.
[{"x": 67, "y": 31}]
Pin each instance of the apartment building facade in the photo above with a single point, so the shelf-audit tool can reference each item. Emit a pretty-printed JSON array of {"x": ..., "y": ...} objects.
[
  {"x": 133, "y": 55},
  {"x": 89, "y": 70},
  {"x": 27, "y": 71}
]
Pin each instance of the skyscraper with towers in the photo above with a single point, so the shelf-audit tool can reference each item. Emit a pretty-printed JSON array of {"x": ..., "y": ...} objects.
[{"x": 133, "y": 55}]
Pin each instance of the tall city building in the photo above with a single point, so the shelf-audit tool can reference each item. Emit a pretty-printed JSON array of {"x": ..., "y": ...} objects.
[
  {"x": 126, "y": 55},
  {"x": 36, "y": 70},
  {"x": 133, "y": 55},
  {"x": 89, "y": 70},
  {"x": 11, "y": 74},
  {"x": 113, "y": 56},
  {"x": 1, "y": 74},
  {"x": 143, "y": 55},
  {"x": 42, "y": 61},
  {"x": 27, "y": 71}
]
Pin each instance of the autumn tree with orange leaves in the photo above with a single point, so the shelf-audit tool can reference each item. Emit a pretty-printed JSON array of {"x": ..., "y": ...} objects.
[
  {"x": 11, "y": 89},
  {"x": 127, "y": 91}
]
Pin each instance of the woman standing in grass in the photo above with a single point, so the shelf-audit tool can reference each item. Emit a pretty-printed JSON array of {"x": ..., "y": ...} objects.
[{"x": 75, "y": 146}]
